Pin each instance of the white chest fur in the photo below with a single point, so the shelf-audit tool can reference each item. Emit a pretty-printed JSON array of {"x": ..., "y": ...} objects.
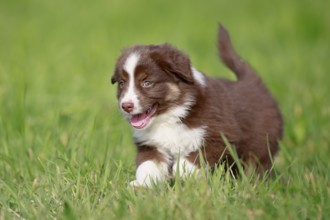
[{"x": 169, "y": 135}]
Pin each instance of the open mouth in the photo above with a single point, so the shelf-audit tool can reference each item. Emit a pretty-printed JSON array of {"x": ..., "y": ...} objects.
[{"x": 141, "y": 120}]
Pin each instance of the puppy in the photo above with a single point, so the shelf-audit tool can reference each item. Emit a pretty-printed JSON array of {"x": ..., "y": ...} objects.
[{"x": 178, "y": 113}]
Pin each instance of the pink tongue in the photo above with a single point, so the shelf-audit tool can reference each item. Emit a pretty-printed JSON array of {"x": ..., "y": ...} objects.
[{"x": 139, "y": 121}]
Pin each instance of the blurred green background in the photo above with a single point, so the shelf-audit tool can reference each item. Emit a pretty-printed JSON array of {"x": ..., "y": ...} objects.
[{"x": 58, "y": 114}]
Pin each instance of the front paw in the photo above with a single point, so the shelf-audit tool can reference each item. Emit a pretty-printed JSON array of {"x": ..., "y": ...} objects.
[
  {"x": 135, "y": 184},
  {"x": 184, "y": 168},
  {"x": 150, "y": 173}
]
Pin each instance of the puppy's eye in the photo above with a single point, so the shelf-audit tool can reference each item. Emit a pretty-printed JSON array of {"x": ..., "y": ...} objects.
[
  {"x": 121, "y": 83},
  {"x": 147, "y": 84}
]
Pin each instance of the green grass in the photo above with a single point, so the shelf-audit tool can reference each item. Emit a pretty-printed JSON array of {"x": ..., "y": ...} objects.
[{"x": 65, "y": 151}]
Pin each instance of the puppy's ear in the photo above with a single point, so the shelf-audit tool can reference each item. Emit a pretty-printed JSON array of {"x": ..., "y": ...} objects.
[
  {"x": 173, "y": 61},
  {"x": 114, "y": 77},
  {"x": 113, "y": 80}
]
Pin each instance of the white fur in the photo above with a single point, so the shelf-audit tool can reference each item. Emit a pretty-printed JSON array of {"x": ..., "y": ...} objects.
[
  {"x": 170, "y": 135},
  {"x": 184, "y": 168},
  {"x": 199, "y": 77},
  {"x": 166, "y": 132},
  {"x": 130, "y": 95},
  {"x": 149, "y": 173}
]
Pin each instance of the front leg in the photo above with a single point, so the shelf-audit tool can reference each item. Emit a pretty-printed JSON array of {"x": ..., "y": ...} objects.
[
  {"x": 152, "y": 167},
  {"x": 186, "y": 166}
]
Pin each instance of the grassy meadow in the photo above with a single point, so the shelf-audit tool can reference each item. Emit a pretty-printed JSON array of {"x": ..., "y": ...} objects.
[{"x": 66, "y": 152}]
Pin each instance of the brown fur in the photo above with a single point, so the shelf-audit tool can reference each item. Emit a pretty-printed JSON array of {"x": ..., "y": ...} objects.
[{"x": 243, "y": 110}]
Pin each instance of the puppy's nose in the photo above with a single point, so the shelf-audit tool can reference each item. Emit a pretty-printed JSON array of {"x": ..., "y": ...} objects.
[{"x": 127, "y": 106}]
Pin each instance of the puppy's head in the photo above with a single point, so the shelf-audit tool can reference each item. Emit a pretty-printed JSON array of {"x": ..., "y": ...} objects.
[{"x": 150, "y": 81}]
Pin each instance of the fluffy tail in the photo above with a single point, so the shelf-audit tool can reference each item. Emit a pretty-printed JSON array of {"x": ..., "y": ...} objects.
[{"x": 230, "y": 58}]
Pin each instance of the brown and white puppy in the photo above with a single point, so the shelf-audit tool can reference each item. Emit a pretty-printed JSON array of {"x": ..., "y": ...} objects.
[{"x": 177, "y": 111}]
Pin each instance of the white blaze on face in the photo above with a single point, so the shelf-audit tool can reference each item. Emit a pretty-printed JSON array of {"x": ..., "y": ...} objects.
[{"x": 130, "y": 95}]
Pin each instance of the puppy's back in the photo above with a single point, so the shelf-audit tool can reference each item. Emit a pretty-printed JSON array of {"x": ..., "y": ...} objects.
[{"x": 255, "y": 109}]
